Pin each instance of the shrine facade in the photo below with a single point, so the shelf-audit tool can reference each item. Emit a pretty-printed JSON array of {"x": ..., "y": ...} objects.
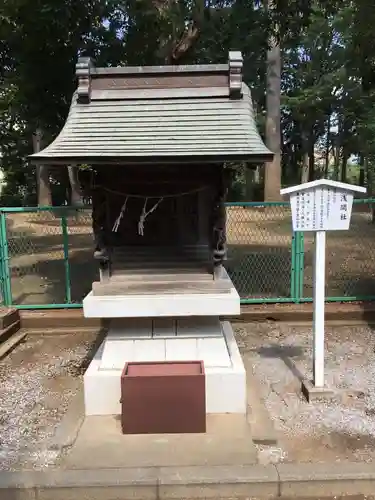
[{"x": 159, "y": 141}]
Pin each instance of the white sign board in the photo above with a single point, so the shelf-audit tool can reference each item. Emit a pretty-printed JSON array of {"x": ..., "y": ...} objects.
[
  {"x": 321, "y": 209},
  {"x": 321, "y": 206}
]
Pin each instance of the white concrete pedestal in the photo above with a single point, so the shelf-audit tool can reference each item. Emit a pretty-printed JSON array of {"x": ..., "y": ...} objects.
[
  {"x": 164, "y": 305},
  {"x": 168, "y": 339}
]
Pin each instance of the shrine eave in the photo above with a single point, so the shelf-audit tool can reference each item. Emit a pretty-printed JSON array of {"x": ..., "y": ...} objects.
[{"x": 141, "y": 160}]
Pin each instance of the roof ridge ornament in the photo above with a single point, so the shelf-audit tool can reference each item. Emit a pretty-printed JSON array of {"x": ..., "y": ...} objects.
[
  {"x": 83, "y": 72},
  {"x": 235, "y": 74}
]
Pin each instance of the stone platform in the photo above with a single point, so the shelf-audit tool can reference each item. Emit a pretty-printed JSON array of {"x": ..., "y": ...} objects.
[
  {"x": 168, "y": 339},
  {"x": 183, "y": 301}
]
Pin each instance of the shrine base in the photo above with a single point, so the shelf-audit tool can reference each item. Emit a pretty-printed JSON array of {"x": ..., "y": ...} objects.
[{"x": 205, "y": 339}]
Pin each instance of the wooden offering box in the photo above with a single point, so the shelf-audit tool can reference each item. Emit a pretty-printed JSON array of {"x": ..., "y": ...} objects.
[{"x": 163, "y": 397}]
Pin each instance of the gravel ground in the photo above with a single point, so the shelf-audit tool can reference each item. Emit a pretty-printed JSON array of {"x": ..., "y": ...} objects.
[
  {"x": 37, "y": 381},
  {"x": 343, "y": 429}
]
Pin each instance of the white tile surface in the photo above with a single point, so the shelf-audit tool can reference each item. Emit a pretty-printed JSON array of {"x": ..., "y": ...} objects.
[
  {"x": 116, "y": 352},
  {"x": 226, "y": 390},
  {"x": 102, "y": 389},
  {"x": 149, "y": 350},
  {"x": 130, "y": 328},
  {"x": 164, "y": 327},
  {"x": 178, "y": 349},
  {"x": 214, "y": 352},
  {"x": 199, "y": 326}
]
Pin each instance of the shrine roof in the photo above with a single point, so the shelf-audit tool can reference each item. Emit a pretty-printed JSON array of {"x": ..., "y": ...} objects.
[{"x": 151, "y": 114}]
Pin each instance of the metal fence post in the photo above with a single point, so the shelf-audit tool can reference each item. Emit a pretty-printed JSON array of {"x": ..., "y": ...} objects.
[
  {"x": 64, "y": 229},
  {"x": 5, "y": 274},
  {"x": 293, "y": 268},
  {"x": 297, "y": 267},
  {"x": 2, "y": 272},
  {"x": 301, "y": 265}
]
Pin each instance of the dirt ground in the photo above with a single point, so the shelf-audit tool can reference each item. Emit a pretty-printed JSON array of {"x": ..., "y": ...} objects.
[
  {"x": 40, "y": 377},
  {"x": 259, "y": 255},
  {"x": 340, "y": 430}
]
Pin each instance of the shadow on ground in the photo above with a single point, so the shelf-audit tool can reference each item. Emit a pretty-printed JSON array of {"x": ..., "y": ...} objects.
[{"x": 286, "y": 353}]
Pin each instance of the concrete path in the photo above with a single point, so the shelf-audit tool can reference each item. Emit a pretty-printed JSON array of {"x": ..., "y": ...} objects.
[{"x": 100, "y": 444}]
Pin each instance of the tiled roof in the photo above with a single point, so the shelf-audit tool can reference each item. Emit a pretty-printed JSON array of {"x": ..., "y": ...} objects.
[{"x": 147, "y": 114}]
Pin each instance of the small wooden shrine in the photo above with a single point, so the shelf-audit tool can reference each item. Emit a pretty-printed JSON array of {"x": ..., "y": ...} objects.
[{"x": 157, "y": 139}]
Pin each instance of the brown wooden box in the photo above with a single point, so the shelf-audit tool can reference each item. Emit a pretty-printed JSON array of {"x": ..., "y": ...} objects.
[{"x": 163, "y": 397}]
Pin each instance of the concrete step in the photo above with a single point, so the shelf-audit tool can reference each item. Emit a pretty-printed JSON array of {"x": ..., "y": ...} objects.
[
  {"x": 164, "y": 271},
  {"x": 10, "y": 333},
  {"x": 11, "y": 342},
  {"x": 8, "y": 316},
  {"x": 165, "y": 266},
  {"x": 179, "y": 277},
  {"x": 146, "y": 287},
  {"x": 159, "y": 257}
]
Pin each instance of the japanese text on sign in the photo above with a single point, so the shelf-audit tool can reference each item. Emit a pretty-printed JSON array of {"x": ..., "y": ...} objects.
[{"x": 321, "y": 209}]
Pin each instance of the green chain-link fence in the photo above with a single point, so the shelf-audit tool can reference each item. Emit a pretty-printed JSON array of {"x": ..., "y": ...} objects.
[{"x": 46, "y": 256}]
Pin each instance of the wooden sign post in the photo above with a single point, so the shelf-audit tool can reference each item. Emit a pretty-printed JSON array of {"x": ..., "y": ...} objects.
[{"x": 320, "y": 206}]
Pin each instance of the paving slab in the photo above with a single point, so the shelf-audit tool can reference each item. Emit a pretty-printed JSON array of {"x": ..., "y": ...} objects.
[
  {"x": 101, "y": 444},
  {"x": 17, "y": 485},
  {"x": 326, "y": 480},
  {"x": 221, "y": 481},
  {"x": 107, "y": 484}
]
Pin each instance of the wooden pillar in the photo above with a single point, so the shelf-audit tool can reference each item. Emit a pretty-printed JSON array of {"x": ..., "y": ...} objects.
[
  {"x": 219, "y": 247},
  {"x": 100, "y": 228}
]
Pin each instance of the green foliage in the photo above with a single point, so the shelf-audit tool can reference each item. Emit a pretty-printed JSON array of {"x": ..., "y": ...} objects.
[
  {"x": 40, "y": 43},
  {"x": 328, "y": 78}
]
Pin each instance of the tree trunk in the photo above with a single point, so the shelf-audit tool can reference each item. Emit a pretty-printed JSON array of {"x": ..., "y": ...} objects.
[
  {"x": 344, "y": 166},
  {"x": 249, "y": 184},
  {"x": 336, "y": 155},
  {"x": 369, "y": 176},
  {"x": 305, "y": 158},
  {"x": 272, "y": 177},
  {"x": 328, "y": 143},
  {"x": 42, "y": 174},
  {"x": 175, "y": 44},
  {"x": 311, "y": 159},
  {"x": 76, "y": 195},
  {"x": 361, "y": 180},
  {"x": 305, "y": 168}
]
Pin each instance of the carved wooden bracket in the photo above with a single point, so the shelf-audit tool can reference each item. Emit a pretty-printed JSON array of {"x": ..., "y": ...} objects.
[
  {"x": 83, "y": 70},
  {"x": 235, "y": 74}
]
